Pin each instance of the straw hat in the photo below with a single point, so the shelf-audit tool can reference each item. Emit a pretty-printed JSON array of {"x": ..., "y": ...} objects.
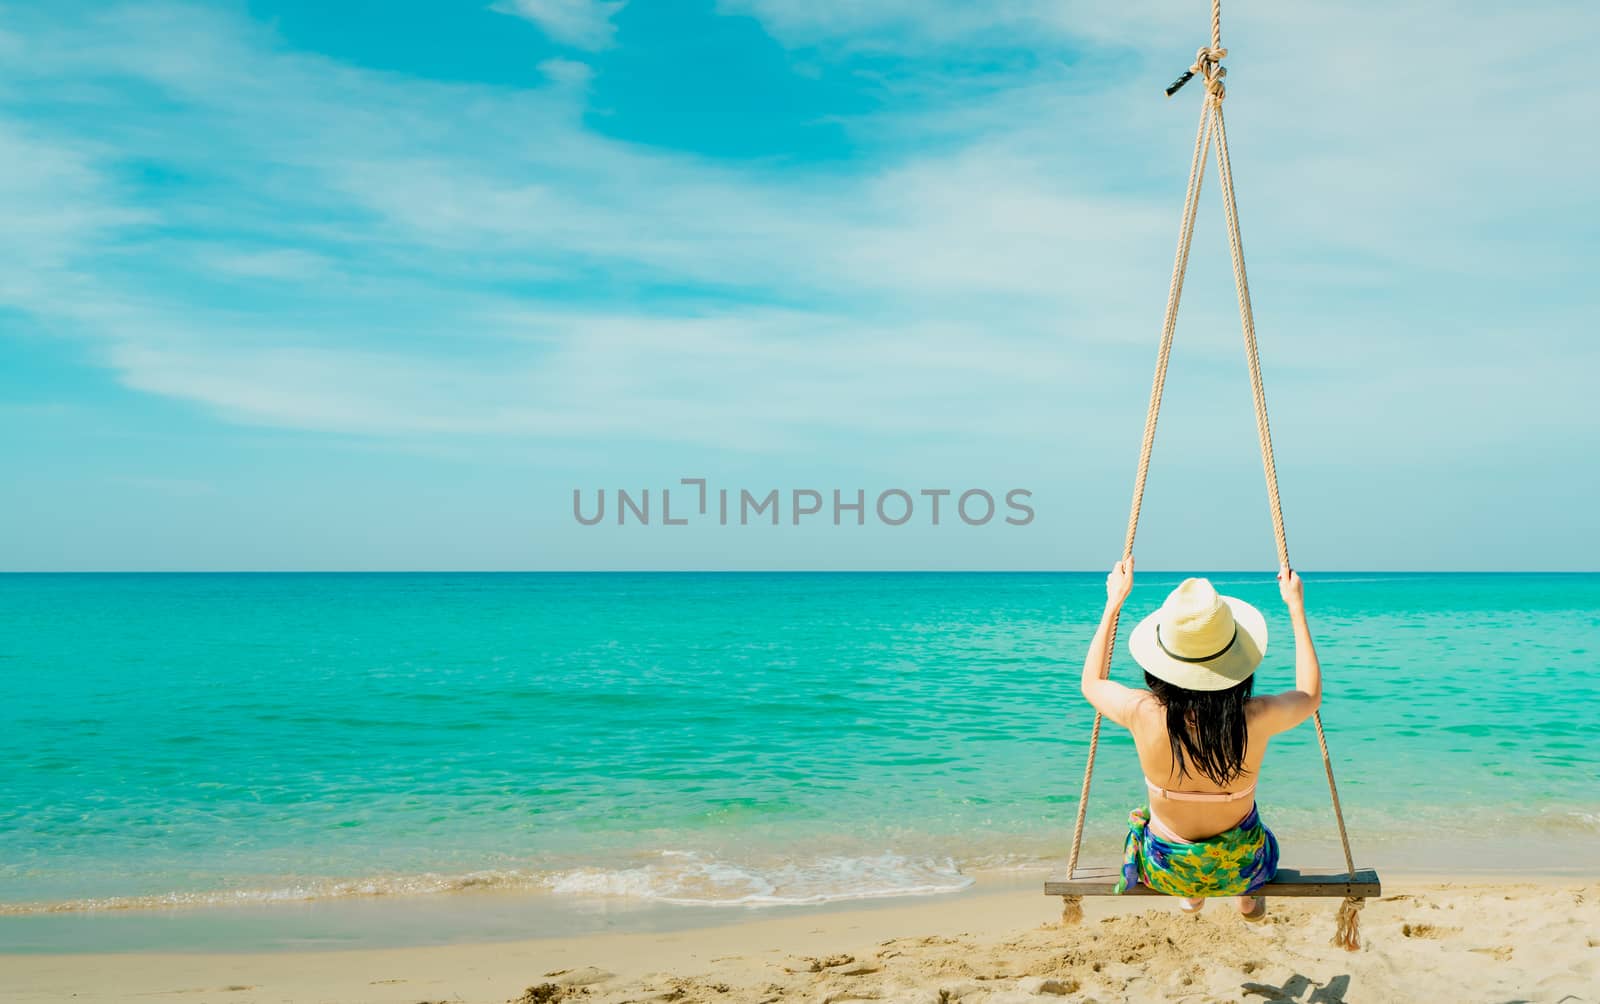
[{"x": 1199, "y": 640}]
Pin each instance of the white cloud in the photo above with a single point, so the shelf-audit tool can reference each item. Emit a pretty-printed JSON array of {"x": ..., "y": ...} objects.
[
  {"x": 567, "y": 71},
  {"x": 56, "y": 200},
  {"x": 748, "y": 381},
  {"x": 901, "y": 24},
  {"x": 996, "y": 264},
  {"x": 286, "y": 264},
  {"x": 583, "y": 24}
]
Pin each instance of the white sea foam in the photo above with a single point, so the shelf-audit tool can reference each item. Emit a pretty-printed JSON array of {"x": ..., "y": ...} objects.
[
  {"x": 425, "y": 884},
  {"x": 696, "y": 878},
  {"x": 674, "y": 876},
  {"x": 1586, "y": 820}
]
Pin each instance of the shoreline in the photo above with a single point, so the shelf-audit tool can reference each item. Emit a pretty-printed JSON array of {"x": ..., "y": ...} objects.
[
  {"x": 499, "y": 916},
  {"x": 1537, "y": 934}
]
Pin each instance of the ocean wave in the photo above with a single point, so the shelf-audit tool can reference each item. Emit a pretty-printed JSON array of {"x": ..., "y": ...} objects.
[
  {"x": 690, "y": 878},
  {"x": 425, "y": 884},
  {"x": 1577, "y": 819}
]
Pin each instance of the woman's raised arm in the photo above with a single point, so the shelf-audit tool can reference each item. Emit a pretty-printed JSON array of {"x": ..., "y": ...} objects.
[
  {"x": 1286, "y": 710},
  {"x": 1111, "y": 699}
]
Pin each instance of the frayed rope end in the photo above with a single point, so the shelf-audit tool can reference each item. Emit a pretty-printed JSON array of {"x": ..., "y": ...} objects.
[
  {"x": 1347, "y": 935},
  {"x": 1071, "y": 910}
]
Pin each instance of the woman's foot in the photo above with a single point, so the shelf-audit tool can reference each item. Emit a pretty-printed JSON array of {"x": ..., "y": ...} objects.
[
  {"x": 1191, "y": 905},
  {"x": 1253, "y": 908}
]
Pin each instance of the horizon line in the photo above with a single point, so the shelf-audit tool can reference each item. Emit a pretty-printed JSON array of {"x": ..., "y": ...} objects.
[{"x": 772, "y": 571}]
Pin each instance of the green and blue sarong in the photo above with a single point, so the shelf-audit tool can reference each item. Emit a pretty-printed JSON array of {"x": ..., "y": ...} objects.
[{"x": 1235, "y": 862}]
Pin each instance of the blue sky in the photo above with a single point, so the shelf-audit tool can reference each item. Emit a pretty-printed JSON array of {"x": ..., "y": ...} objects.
[{"x": 295, "y": 285}]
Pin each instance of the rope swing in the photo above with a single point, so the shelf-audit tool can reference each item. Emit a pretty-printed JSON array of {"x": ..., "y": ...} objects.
[{"x": 1208, "y": 68}]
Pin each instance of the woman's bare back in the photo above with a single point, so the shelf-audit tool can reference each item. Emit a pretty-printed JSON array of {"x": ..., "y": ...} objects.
[{"x": 1193, "y": 820}]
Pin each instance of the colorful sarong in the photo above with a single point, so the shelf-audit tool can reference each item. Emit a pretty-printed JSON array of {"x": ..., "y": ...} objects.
[{"x": 1236, "y": 862}]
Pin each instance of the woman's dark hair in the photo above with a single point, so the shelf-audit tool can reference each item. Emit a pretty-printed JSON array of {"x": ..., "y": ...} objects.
[{"x": 1206, "y": 727}]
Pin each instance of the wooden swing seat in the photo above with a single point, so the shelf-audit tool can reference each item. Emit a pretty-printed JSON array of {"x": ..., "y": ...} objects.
[{"x": 1363, "y": 884}]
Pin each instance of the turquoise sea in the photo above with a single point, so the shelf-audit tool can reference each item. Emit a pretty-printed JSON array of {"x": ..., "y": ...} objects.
[{"x": 236, "y": 743}]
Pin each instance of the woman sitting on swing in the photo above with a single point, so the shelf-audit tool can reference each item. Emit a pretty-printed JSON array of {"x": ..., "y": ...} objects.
[{"x": 1201, "y": 736}]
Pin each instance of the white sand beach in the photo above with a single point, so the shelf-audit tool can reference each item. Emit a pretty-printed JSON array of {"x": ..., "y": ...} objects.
[{"x": 1427, "y": 939}]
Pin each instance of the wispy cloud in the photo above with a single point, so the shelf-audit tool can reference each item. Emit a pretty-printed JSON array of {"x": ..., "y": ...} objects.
[
  {"x": 878, "y": 24},
  {"x": 274, "y": 239},
  {"x": 388, "y": 256},
  {"x": 584, "y": 24}
]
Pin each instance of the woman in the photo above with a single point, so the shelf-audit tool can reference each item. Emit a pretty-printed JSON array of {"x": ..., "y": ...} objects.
[{"x": 1201, "y": 736}]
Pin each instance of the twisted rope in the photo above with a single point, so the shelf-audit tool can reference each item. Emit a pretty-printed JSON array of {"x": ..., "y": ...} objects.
[
  {"x": 1208, "y": 66},
  {"x": 1348, "y": 934},
  {"x": 1180, "y": 266}
]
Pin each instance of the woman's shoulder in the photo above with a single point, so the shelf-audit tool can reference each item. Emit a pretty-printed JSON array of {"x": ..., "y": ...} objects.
[
  {"x": 1258, "y": 707},
  {"x": 1147, "y": 710},
  {"x": 1276, "y": 713}
]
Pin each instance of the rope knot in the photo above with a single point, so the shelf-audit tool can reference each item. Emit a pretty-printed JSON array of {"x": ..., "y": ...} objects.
[
  {"x": 1208, "y": 67},
  {"x": 1213, "y": 54}
]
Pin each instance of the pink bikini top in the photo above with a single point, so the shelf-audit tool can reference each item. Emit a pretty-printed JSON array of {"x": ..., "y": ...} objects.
[{"x": 1198, "y": 796}]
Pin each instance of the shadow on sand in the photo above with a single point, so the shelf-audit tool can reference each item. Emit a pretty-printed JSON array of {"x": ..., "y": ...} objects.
[{"x": 1331, "y": 992}]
